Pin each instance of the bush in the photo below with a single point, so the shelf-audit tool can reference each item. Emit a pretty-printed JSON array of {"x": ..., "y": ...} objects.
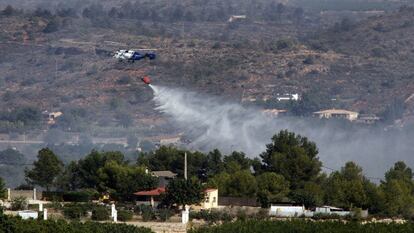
[
  {"x": 309, "y": 60},
  {"x": 75, "y": 211},
  {"x": 165, "y": 214},
  {"x": 305, "y": 226},
  {"x": 241, "y": 215},
  {"x": 211, "y": 216},
  {"x": 9, "y": 10},
  {"x": 54, "y": 205},
  {"x": 73, "y": 196},
  {"x": 81, "y": 196},
  {"x": 323, "y": 216},
  {"x": 124, "y": 80},
  {"x": 100, "y": 213},
  {"x": 15, "y": 224},
  {"x": 19, "y": 203},
  {"x": 124, "y": 215},
  {"x": 147, "y": 213},
  {"x": 33, "y": 206},
  {"x": 52, "y": 26}
]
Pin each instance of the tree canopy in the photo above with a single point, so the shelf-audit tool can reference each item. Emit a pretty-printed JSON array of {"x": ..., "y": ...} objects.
[
  {"x": 292, "y": 156},
  {"x": 183, "y": 192},
  {"x": 272, "y": 187},
  {"x": 45, "y": 169}
]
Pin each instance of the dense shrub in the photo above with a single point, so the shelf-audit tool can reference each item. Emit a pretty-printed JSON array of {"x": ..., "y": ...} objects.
[
  {"x": 147, "y": 213},
  {"x": 211, "y": 216},
  {"x": 75, "y": 211},
  {"x": 81, "y": 196},
  {"x": 100, "y": 213},
  {"x": 165, "y": 214},
  {"x": 73, "y": 196},
  {"x": 53, "y": 205},
  {"x": 124, "y": 215},
  {"x": 52, "y": 26},
  {"x": 15, "y": 224},
  {"x": 33, "y": 206},
  {"x": 322, "y": 216},
  {"x": 19, "y": 203},
  {"x": 262, "y": 214},
  {"x": 303, "y": 226}
]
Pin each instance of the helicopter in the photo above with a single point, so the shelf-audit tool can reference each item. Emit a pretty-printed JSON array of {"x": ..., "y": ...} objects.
[{"x": 132, "y": 55}]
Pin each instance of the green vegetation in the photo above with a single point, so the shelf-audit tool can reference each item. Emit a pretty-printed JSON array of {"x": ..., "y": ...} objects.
[
  {"x": 3, "y": 190},
  {"x": 19, "y": 203},
  {"x": 183, "y": 192},
  {"x": 212, "y": 216},
  {"x": 20, "y": 118},
  {"x": 272, "y": 188},
  {"x": 45, "y": 169},
  {"x": 125, "y": 215},
  {"x": 15, "y": 224},
  {"x": 106, "y": 172},
  {"x": 11, "y": 157},
  {"x": 164, "y": 214},
  {"x": 100, "y": 213},
  {"x": 288, "y": 171},
  {"x": 147, "y": 213},
  {"x": 75, "y": 211},
  {"x": 303, "y": 226}
]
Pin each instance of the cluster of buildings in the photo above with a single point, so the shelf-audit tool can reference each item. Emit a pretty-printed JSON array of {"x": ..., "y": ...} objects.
[
  {"x": 211, "y": 201},
  {"x": 330, "y": 114}
]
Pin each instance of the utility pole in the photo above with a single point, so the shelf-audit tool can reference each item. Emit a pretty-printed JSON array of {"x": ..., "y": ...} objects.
[
  {"x": 56, "y": 69},
  {"x": 185, "y": 165}
]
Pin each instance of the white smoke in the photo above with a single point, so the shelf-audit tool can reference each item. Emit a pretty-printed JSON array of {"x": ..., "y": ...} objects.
[{"x": 214, "y": 123}]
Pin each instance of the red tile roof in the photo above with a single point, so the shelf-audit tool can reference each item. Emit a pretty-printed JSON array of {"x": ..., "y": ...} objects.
[
  {"x": 154, "y": 192},
  {"x": 210, "y": 190}
]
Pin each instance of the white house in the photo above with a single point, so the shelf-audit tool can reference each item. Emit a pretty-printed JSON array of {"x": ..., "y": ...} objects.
[
  {"x": 211, "y": 199},
  {"x": 287, "y": 210},
  {"x": 337, "y": 113}
]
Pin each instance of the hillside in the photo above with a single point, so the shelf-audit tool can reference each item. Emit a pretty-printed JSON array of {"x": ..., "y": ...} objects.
[
  {"x": 377, "y": 57},
  {"x": 63, "y": 62}
]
